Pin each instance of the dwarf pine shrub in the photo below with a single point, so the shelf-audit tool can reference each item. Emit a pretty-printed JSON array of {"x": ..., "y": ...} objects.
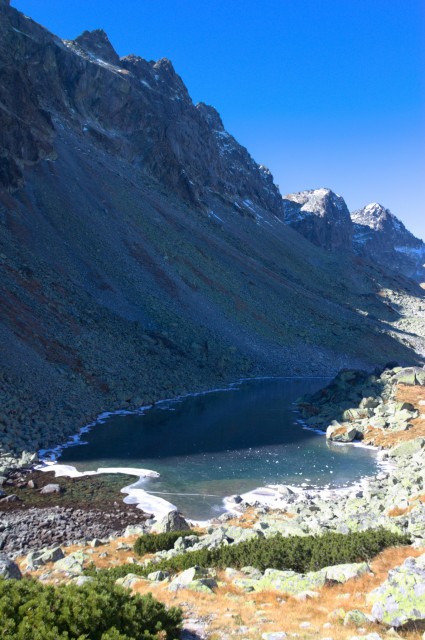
[
  {"x": 153, "y": 542},
  {"x": 99, "y": 610},
  {"x": 296, "y": 553}
]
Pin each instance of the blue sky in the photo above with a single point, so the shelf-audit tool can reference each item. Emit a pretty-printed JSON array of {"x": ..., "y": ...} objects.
[{"x": 324, "y": 92}]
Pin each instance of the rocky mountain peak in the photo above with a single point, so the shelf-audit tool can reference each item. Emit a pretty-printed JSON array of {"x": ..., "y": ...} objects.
[
  {"x": 376, "y": 216},
  {"x": 381, "y": 236},
  {"x": 321, "y": 216},
  {"x": 98, "y": 45},
  {"x": 137, "y": 109},
  {"x": 211, "y": 115}
]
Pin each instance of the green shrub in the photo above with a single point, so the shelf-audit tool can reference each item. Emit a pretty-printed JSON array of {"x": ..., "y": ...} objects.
[
  {"x": 296, "y": 553},
  {"x": 153, "y": 542},
  {"x": 99, "y": 610}
]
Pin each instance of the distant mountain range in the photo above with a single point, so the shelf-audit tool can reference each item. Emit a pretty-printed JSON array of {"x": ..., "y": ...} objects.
[
  {"x": 144, "y": 253},
  {"x": 373, "y": 232}
]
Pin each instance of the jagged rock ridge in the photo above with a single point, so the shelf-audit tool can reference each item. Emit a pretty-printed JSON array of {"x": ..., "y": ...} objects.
[
  {"x": 381, "y": 236},
  {"x": 321, "y": 216},
  {"x": 132, "y": 107}
]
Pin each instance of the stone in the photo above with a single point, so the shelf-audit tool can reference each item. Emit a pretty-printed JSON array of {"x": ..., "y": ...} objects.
[
  {"x": 134, "y": 529},
  {"x": 355, "y": 618},
  {"x": 9, "y": 570},
  {"x": 36, "y": 559},
  {"x": 158, "y": 576},
  {"x": 274, "y": 635},
  {"x": 11, "y": 498},
  {"x": 408, "y": 448},
  {"x": 341, "y": 433},
  {"x": 203, "y": 585},
  {"x": 185, "y": 542},
  {"x": 72, "y": 564},
  {"x": 289, "y": 581},
  {"x": 96, "y": 543},
  {"x": 51, "y": 488},
  {"x": 130, "y": 580},
  {"x": 411, "y": 376},
  {"x": 173, "y": 521},
  {"x": 401, "y": 598},
  {"x": 343, "y": 572},
  {"x": 82, "y": 580},
  {"x": 183, "y": 579}
]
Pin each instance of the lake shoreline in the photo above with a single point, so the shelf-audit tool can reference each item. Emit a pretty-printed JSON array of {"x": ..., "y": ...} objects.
[{"x": 156, "y": 505}]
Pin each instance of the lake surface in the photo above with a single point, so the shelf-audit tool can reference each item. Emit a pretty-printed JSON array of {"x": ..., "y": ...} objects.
[{"x": 222, "y": 443}]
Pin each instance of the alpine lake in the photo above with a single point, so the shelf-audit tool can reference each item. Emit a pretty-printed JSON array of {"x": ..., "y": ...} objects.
[{"x": 221, "y": 443}]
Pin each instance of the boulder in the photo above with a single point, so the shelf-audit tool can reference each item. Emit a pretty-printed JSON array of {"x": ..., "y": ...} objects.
[
  {"x": 173, "y": 521},
  {"x": 341, "y": 432},
  {"x": 158, "y": 576},
  {"x": 51, "y": 488},
  {"x": 355, "y": 618},
  {"x": 129, "y": 580},
  {"x": 9, "y": 570},
  {"x": 408, "y": 448},
  {"x": 290, "y": 581},
  {"x": 343, "y": 572},
  {"x": 196, "y": 578},
  {"x": 72, "y": 564},
  {"x": 411, "y": 376},
  {"x": 36, "y": 559},
  {"x": 401, "y": 598}
]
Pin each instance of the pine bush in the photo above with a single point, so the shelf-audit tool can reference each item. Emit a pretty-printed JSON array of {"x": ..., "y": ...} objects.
[
  {"x": 153, "y": 542},
  {"x": 99, "y": 610}
]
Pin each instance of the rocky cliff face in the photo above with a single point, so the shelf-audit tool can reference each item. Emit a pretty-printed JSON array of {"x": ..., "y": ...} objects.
[
  {"x": 321, "y": 216},
  {"x": 381, "y": 236},
  {"x": 129, "y": 106}
]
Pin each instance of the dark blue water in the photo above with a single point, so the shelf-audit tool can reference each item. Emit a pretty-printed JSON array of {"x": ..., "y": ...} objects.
[{"x": 222, "y": 443}]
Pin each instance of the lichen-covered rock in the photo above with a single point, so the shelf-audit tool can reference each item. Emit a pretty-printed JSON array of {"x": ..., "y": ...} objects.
[
  {"x": 290, "y": 581},
  {"x": 401, "y": 598},
  {"x": 408, "y": 448},
  {"x": 341, "y": 432},
  {"x": 129, "y": 580},
  {"x": 343, "y": 572},
  {"x": 411, "y": 376},
  {"x": 194, "y": 574},
  {"x": 37, "y": 559},
  {"x": 158, "y": 576},
  {"x": 416, "y": 521},
  {"x": 355, "y": 618},
  {"x": 173, "y": 521},
  {"x": 72, "y": 564},
  {"x": 203, "y": 585}
]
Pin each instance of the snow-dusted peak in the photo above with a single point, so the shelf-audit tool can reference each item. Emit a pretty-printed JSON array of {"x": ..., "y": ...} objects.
[
  {"x": 380, "y": 235},
  {"x": 376, "y": 216},
  {"x": 318, "y": 202},
  {"x": 321, "y": 215}
]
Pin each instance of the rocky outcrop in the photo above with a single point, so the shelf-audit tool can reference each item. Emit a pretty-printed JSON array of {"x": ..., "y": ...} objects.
[
  {"x": 401, "y": 598},
  {"x": 321, "y": 216},
  {"x": 382, "y": 237}
]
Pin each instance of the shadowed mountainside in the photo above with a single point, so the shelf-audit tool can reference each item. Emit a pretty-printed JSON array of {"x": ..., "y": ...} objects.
[{"x": 143, "y": 252}]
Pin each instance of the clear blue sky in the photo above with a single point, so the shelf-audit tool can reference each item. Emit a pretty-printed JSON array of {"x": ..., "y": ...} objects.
[{"x": 324, "y": 92}]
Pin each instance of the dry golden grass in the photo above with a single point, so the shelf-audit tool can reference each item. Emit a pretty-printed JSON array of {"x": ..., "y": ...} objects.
[
  {"x": 229, "y": 608},
  {"x": 404, "y": 393}
]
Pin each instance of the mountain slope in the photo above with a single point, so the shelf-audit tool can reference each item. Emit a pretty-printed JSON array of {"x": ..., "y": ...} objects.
[
  {"x": 379, "y": 234},
  {"x": 143, "y": 252}
]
